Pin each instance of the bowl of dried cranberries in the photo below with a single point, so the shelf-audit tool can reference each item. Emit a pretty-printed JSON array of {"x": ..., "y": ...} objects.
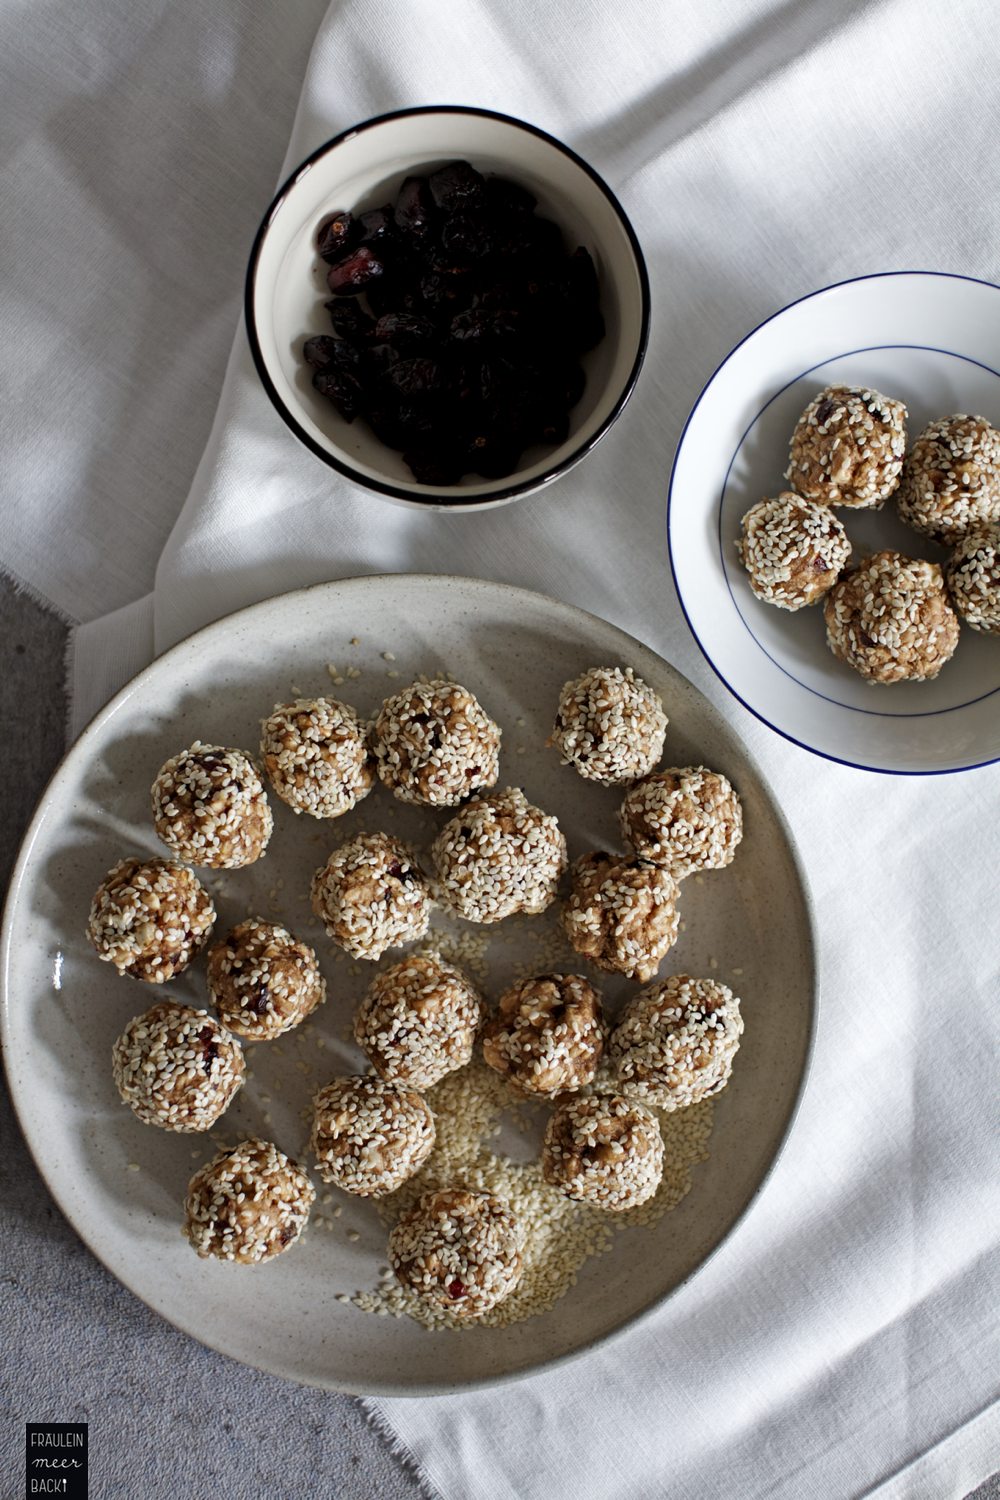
[{"x": 447, "y": 305}]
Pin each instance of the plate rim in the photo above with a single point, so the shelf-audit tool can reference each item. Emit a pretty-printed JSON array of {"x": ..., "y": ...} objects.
[
  {"x": 840, "y": 760},
  {"x": 77, "y": 751}
]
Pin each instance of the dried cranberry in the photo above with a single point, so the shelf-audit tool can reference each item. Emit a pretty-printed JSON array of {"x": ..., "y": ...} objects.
[
  {"x": 413, "y": 211},
  {"x": 825, "y": 410},
  {"x": 379, "y": 359},
  {"x": 471, "y": 235},
  {"x": 392, "y": 294},
  {"x": 485, "y": 325},
  {"x": 349, "y": 320},
  {"x": 336, "y": 234},
  {"x": 417, "y": 377},
  {"x": 259, "y": 995},
  {"x": 456, "y": 1289},
  {"x": 383, "y": 419},
  {"x": 342, "y": 389},
  {"x": 444, "y": 291},
  {"x": 456, "y": 185},
  {"x": 376, "y": 225},
  {"x": 439, "y": 470},
  {"x": 209, "y": 1047},
  {"x": 405, "y": 330},
  {"x": 323, "y": 352},
  {"x": 354, "y": 272}
]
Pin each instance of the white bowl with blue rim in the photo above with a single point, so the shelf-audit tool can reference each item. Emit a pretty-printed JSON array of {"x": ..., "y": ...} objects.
[{"x": 929, "y": 339}]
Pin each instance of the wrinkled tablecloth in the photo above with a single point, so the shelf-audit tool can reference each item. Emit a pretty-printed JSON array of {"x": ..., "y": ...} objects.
[{"x": 843, "y": 1341}]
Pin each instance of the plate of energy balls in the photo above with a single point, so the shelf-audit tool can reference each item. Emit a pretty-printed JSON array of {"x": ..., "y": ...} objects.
[
  {"x": 834, "y": 522},
  {"x": 407, "y": 983}
]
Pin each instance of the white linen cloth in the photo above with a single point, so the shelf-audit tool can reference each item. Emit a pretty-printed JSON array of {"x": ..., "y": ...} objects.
[{"x": 843, "y": 1341}]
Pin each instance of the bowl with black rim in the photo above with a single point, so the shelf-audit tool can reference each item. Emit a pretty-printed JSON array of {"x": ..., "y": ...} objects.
[{"x": 503, "y": 347}]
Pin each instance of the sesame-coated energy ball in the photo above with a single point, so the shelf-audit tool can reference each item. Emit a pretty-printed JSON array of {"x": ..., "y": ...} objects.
[
  {"x": 247, "y": 1205},
  {"x": 315, "y": 752},
  {"x": 621, "y": 913},
  {"x": 609, "y": 726},
  {"x": 951, "y": 479},
  {"x": 847, "y": 447},
  {"x": 973, "y": 575},
  {"x": 177, "y": 1067},
  {"x": 418, "y": 1021},
  {"x": 676, "y": 1041},
  {"x": 547, "y": 1035},
  {"x": 263, "y": 981},
  {"x": 149, "y": 918},
  {"x": 686, "y": 819},
  {"x": 210, "y": 807},
  {"x": 459, "y": 1251},
  {"x": 369, "y": 1136},
  {"x": 890, "y": 619},
  {"x": 434, "y": 744},
  {"x": 372, "y": 895},
  {"x": 792, "y": 549},
  {"x": 606, "y": 1150},
  {"x": 499, "y": 856}
]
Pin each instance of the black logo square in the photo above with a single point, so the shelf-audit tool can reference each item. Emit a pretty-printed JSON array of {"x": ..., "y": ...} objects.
[{"x": 56, "y": 1460}]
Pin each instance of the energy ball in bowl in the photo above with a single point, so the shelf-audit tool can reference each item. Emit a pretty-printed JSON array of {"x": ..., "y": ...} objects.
[
  {"x": 676, "y": 1041},
  {"x": 368, "y": 1136},
  {"x": 459, "y": 1251},
  {"x": 686, "y": 819},
  {"x": 434, "y": 744},
  {"x": 418, "y": 1021},
  {"x": 176, "y": 1067},
  {"x": 499, "y": 856},
  {"x": 973, "y": 575},
  {"x": 149, "y": 918},
  {"x": 848, "y": 447},
  {"x": 372, "y": 895},
  {"x": 606, "y": 1151},
  {"x": 793, "y": 550},
  {"x": 951, "y": 479},
  {"x": 316, "y": 753},
  {"x": 247, "y": 1205},
  {"x": 263, "y": 981},
  {"x": 621, "y": 913},
  {"x": 890, "y": 619},
  {"x": 210, "y": 807},
  {"x": 609, "y": 726},
  {"x": 547, "y": 1035}
]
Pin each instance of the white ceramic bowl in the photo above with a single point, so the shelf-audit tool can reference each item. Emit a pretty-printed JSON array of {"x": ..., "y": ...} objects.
[
  {"x": 361, "y": 169},
  {"x": 930, "y": 339}
]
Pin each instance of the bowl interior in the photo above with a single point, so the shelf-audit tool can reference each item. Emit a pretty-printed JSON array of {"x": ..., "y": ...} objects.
[
  {"x": 934, "y": 342},
  {"x": 363, "y": 171}
]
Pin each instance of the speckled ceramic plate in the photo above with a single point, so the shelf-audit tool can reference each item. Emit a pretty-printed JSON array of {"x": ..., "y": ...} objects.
[
  {"x": 122, "y": 1184},
  {"x": 927, "y": 338}
]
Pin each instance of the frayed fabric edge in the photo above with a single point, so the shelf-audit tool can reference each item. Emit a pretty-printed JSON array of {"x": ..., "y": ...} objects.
[{"x": 400, "y": 1450}]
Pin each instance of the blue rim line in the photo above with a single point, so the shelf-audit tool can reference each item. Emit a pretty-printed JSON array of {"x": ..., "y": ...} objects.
[
  {"x": 784, "y": 733},
  {"x": 872, "y": 713}
]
